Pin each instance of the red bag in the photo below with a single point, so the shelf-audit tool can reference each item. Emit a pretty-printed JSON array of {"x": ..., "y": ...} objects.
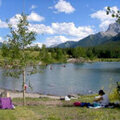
[{"x": 77, "y": 104}]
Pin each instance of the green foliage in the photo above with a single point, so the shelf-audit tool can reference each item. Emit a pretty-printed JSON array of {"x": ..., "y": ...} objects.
[
  {"x": 108, "y": 50},
  {"x": 4, "y": 50},
  {"x": 114, "y": 14},
  {"x": 59, "y": 54},
  {"x": 18, "y": 39},
  {"x": 43, "y": 53},
  {"x": 52, "y": 55},
  {"x": 90, "y": 53},
  {"x": 17, "y": 59},
  {"x": 78, "y": 52},
  {"x": 115, "y": 93},
  {"x": 12, "y": 73}
]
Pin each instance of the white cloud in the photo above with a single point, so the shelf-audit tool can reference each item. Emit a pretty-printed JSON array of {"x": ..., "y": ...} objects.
[
  {"x": 33, "y": 7},
  {"x": 71, "y": 29},
  {"x": 3, "y": 24},
  {"x": 57, "y": 30},
  {"x": 62, "y": 29},
  {"x": 55, "y": 40},
  {"x": 1, "y": 39},
  {"x": 35, "y": 17},
  {"x": 14, "y": 20},
  {"x": 104, "y": 18},
  {"x": 64, "y": 6},
  {"x": 41, "y": 29},
  {"x": 37, "y": 44},
  {"x": 32, "y": 17}
]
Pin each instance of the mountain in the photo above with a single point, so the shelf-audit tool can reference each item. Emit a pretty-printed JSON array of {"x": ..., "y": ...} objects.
[
  {"x": 113, "y": 39},
  {"x": 113, "y": 42},
  {"x": 113, "y": 29},
  {"x": 96, "y": 39},
  {"x": 67, "y": 44},
  {"x": 93, "y": 40}
]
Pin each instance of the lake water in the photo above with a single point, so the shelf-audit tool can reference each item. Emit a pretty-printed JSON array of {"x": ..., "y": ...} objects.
[{"x": 69, "y": 79}]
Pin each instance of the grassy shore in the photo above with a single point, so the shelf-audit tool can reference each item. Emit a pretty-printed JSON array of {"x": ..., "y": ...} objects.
[
  {"x": 106, "y": 60},
  {"x": 53, "y": 109},
  {"x": 35, "y": 59}
]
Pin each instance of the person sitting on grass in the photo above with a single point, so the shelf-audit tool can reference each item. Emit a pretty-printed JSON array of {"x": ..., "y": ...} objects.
[
  {"x": 102, "y": 99},
  {"x": 99, "y": 102}
]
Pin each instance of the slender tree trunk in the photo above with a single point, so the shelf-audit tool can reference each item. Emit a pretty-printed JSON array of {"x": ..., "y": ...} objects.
[{"x": 24, "y": 102}]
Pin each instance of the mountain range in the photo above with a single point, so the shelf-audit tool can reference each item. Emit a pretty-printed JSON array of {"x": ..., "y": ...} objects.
[
  {"x": 111, "y": 36},
  {"x": 100, "y": 38}
]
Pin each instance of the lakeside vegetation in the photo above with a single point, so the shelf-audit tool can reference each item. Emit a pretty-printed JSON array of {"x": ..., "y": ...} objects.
[{"x": 45, "y": 55}]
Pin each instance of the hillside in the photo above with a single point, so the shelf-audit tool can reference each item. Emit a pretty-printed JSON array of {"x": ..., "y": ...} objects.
[
  {"x": 96, "y": 39},
  {"x": 114, "y": 42}
]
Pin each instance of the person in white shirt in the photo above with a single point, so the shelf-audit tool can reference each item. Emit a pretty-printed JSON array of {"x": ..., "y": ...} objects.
[
  {"x": 67, "y": 98},
  {"x": 102, "y": 99}
]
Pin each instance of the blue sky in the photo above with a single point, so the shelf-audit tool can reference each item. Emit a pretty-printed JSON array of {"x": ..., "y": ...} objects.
[{"x": 57, "y": 21}]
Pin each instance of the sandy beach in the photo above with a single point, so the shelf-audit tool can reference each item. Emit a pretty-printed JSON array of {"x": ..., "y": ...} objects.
[
  {"x": 51, "y": 99},
  {"x": 17, "y": 94}
]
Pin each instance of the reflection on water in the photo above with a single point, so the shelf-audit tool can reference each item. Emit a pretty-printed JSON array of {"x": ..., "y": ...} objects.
[{"x": 68, "y": 79}]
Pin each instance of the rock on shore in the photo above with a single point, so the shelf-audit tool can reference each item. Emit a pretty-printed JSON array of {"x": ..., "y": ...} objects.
[{"x": 77, "y": 60}]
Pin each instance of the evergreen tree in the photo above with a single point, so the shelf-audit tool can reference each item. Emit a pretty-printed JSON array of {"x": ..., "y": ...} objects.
[{"x": 59, "y": 55}]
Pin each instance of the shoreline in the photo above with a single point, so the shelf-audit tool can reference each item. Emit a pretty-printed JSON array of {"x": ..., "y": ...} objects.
[
  {"x": 75, "y": 60},
  {"x": 19, "y": 94},
  {"x": 84, "y": 60}
]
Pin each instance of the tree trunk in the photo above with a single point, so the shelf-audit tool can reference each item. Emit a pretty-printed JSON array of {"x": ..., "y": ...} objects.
[{"x": 24, "y": 102}]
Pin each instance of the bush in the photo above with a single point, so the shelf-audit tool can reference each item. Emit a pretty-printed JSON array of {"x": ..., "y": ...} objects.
[{"x": 115, "y": 94}]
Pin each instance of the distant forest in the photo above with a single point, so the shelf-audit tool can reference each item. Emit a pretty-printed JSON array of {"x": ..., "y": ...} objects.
[{"x": 53, "y": 55}]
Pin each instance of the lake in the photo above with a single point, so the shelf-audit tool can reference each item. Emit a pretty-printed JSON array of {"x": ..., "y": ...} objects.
[{"x": 60, "y": 79}]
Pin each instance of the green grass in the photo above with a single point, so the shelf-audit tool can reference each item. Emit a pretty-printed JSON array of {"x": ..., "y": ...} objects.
[
  {"x": 75, "y": 113},
  {"x": 58, "y": 112},
  {"x": 106, "y": 60}
]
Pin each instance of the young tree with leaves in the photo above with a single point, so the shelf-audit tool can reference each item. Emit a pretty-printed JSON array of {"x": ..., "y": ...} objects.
[{"x": 18, "y": 39}]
